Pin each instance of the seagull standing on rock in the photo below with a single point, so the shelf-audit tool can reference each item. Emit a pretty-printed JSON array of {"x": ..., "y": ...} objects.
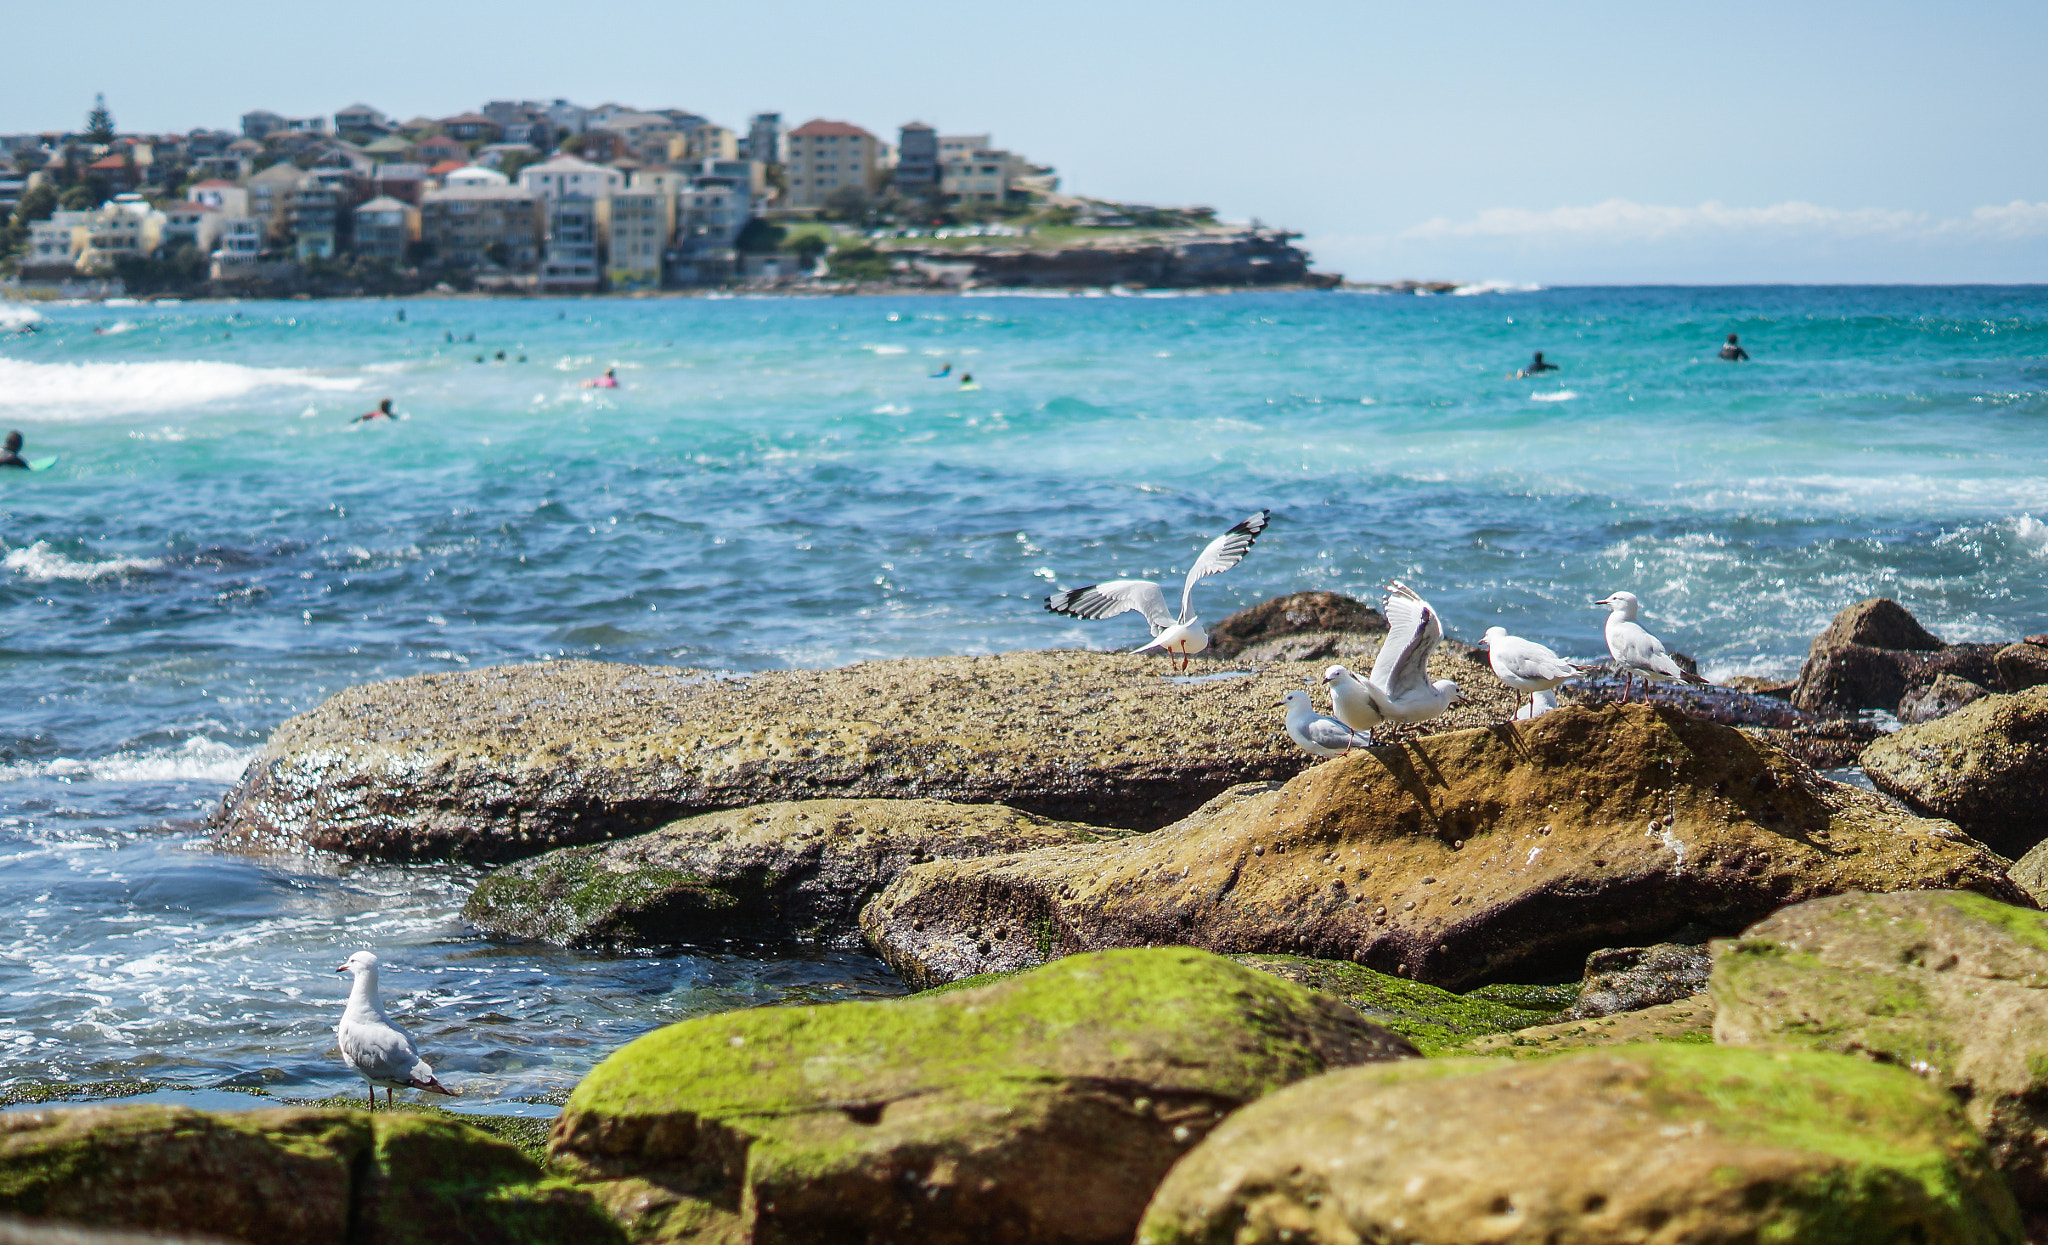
[
  {"x": 1635, "y": 650},
  {"x": 375, "y": 1049},
  {"x": 1316, "y": 734},
  {"x": 1182, "y": 637},
  {"x": 1526, "y": 665},
  {"x": 1398, "y": 689}
]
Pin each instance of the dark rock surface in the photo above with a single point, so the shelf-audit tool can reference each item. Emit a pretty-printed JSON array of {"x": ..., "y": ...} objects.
[
  {"x": 1629, "y": 979},
  {"x": 1454, "y": 859},
  {"x": 1875, "y": 653},
  {"x": 1878, "y": 622},
  {"x": 1938, "y": 699},
  {"x": 2021, "y": 666},
  {"x": 1302, "y": 613},
  {"x": 1984, "y": 767},
  {"x": 792, "y": 872}
]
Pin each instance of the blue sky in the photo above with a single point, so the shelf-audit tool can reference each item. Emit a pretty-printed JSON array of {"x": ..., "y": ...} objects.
[{"x": 1464, "y": 141}]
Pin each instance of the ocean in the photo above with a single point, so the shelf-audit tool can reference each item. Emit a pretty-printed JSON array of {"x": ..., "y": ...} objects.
[{"x": 782, "y": 482}]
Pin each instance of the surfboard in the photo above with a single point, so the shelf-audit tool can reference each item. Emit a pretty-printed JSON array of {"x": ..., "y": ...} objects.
[
  {"x": 42, "y": 464},
  {"x": 969, "y": 386}
]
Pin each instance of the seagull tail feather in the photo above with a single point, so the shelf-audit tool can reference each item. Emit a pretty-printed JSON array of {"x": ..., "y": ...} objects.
[
  {"x": 433, "y": 1086},
  {"x": 1692, "y": 678}
]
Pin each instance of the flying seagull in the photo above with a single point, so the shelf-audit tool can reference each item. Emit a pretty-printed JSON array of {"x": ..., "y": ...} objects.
[
  {"x": 1635, "y": 650},
  {"x": 1181, "y": 636},
  {"x": 375, "y": 1049},
  {"x": 1398, "y": 689}
]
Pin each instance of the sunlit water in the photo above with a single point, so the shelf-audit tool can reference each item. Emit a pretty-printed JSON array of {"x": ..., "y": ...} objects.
[{"x": 782, "y": 483}]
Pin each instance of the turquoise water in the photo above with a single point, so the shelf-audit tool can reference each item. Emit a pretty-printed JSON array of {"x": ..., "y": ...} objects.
[{"x": 779, "y": 482}]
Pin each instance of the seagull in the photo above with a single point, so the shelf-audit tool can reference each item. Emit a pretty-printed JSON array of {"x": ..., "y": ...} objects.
[
  {"x": 374, "y": 1048},
  {"x": 1316, "y": 734},
  {"x": 1398, "y": 689},
  {"x": 1635, "y": 650},
  {"x": 1526, "y": 665},
  {"x": 1182, "y": 636},
  {"x": 1539, "y": 704}
]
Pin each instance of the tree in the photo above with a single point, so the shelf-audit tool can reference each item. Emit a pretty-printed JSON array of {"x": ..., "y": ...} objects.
[
  {"x": 808, "y": 247},
  {"x": 99, "y": 123},
  {"x": 759, "y": 237},
  {"x": 848, "y": 203}
]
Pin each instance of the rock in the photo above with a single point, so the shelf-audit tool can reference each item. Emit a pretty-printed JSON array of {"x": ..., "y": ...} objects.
[
  {"x": 1454, "y": 859},
  {"x": 1874, "y": 653},
  {"x": 288, "y": 1174},
  {"x": 1043, "y": 1107},
  {"x": 1938, "y": 699},
  {"x": 1690, "y": 1019},
  {"x": 1878, "y": 622},
  {"x": 1434, "y": 1020},
  {"x": 792, "y": 872},
  {"x": 2021, "y": 666},
  {"x": 1301, "y": 613},
  {"x": 1757, "y": 685},
  {"x": 1628, "y": 979},
  {"x": 1951, "y": 985},
  {"x": 1833, "y": 744},
  {"x": 1615, "y": 1147},
  {"x": 1727, "y": 705},
  {"x": 2030, "y": 872},
  {"x": 24, "y": 1232},
  {"x": 508, "y": 762},
  {"x": 1984, "y": 767}
]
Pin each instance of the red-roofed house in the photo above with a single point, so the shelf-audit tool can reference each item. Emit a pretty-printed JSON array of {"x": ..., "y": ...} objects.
[
  {"x": 825, "y": 156},
  {"x": 120, "y": 174},
  {"x": 440, "y": 147},
  {"x": 471, "y": 127}
]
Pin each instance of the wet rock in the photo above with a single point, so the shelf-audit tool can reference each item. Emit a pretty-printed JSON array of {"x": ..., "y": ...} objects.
[
  {"x": 1832, "y": 744},
  {"x": 1938, "y": 699},
  {"x": 1322, "y": 614},
  {"x": 792, "y": 872},
  {"x": 1878, "y": 622},
  {"x": 284, "y": 1175},
  {"x": 2021, "y": 666},
  {"x": 1454, "y": 859},
  {"x": 1874, "y": 653},
  {"x": 1984, "y": 767},
  {"x": 1043, "y": 1107},
  {"x": 1951, "y": 985},
  {"x": 1727, "y": 705},
  {"x": 1686, "y": 1020},
  {"x": 1671, "y": 1143},
  {"x": 25, "y": 1232},
  {"x": 1434, "y": 1020},
  {"x": 2030, "y": 872},
  {"x": 1628, "y": 979},
  {"x": 508, "y": 762}
]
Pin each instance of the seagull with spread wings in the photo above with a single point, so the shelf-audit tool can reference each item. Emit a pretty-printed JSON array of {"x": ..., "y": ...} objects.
[
  {"x": 1183, "y": 636},
  {"x": 1399, "y": 688}
]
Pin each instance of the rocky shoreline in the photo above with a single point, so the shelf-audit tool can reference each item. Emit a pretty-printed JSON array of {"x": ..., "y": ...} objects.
[{"x": 1182, "y": 984}]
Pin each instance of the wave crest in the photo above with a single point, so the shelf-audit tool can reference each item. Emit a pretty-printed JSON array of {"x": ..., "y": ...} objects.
[
  {"x": 198, "y": 759},
  {"x": 43, "y": 564},
  {"x": 71, "y": 392}
]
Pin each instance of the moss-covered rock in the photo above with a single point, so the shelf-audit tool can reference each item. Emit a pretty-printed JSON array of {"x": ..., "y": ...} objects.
[
  {"x": 1434, "y": 1020},
  {"x": 1453, "y": 859},
  {"x": 1637, "y": 1144},
  {"x": 1043, "y": 1107},
  {"x": 1951, "y": 985},
  {"x": 795, "y": 872},
  {"x": 1688, "y": 1020},
  {"x": 1984, "y": 767},
  {"x": 1629, "y": 979},
  {"x": 285, "y": 1174}
]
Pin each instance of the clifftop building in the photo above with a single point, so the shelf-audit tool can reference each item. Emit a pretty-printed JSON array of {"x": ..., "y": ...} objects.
[{"x": 826, "y": 156}]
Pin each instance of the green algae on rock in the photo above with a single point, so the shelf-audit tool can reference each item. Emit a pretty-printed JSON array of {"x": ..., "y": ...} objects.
[
  {"x": 286, "y": 1174},
  {"x": 1042, "y": 1107},
  {"x": 1434, "y": 1020},
  {"x": 1686, "y": 1020},
  {"x": 1949, "y": 984},
  {"x": 1452, "y": 859},
  {"x": 790, "y": 872},
  {"x": 1614, "y": 1147},
  {"x": 1984, "y": 767}
]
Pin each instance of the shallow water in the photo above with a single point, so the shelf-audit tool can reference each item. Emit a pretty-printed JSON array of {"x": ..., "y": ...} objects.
[{"x": 779, "y": 482}]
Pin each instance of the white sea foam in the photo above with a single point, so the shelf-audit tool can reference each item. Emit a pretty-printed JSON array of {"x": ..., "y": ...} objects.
[
  {"x": 2029, "y": 531},
  {"x": 1496, "y": 287},
  {"x": 888, "y": 349},
  {"x": 13, "y": 315},
  {"x": 69, "y": 392},
  {"x": 198, "y": 759},
  {"x": 1562, "y": 395},
  {"x": 890, "y": 408},
  {"x": 43, "y": 564}
]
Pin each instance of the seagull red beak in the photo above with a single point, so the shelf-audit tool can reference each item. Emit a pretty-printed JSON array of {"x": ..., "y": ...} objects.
[{"x": 342, "y": 969}]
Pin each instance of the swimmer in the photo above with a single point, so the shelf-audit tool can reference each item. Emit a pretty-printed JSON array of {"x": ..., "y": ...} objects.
[
  {"x": 383, "y": 411},
  {"x": 447, "y": 335},
  {"x": 10, "y": 452},
  {"x": 606, "y": 381},
  {"x": 967, "y": 381},
  {"x": 401, "y": 315},
  {"x": 1733, "y": 351},
  {"x": 943, "y": 372},
  {"x": 501, "y": 356},
  {"x": 1536, "y": 366}
]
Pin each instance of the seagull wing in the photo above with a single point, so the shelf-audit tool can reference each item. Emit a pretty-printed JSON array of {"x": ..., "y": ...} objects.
[
  {"x": 1330, "y": 733},
  {"x": 1113, "y": 598},
  {"x": 381, "y": 1052},
  {"x": 1223, "y": 553},
  {"x": 1412, "y": 634},
  {"x": 1638, "y": 648},
  {"x": 1526, "y": 659}
]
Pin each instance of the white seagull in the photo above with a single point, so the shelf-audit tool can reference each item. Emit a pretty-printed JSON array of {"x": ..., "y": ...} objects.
[
  {"x": 1398, "y": 689},
  {"x": 1316, "y": 734},
  {"x": 1182, "y": 636},
  {"x": 1635, "y": 650},
  {"x": 1526, "y": 665},
  {"x": 1539, "y": 704},
  {"x": 377, "y": 1050}
]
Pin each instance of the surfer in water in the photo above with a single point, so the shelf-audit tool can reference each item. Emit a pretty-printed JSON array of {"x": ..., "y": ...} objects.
[
  {"x": 1536, "y": 367},
  {"x": 10, "y": 452},
  {"x": 606, "y": 381},
  {"x": 943, "y": 372},
  {"x": 1733, "y": 351},
  {"x": 383, "y": 411},
  {"x": 967, "y": 381}
]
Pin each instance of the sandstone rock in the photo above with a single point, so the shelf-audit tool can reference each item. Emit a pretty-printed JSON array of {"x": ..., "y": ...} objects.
[
  {"x": 1324, "y": 614},
  {"x": 1938, "y": 699},
  {"x": 1434, "y": 1020},
  {"x": 793, "y": 872},
  {"x": 1951, "y": 985},
  {"x": 1628, "y": 979},
  {"x": 1453, "y": 859},
  {"x": 1878, "y": 622},
  {"x": 2021, "y": 666},
  {"x": 1686, "y": 1020},
  {"x": 1984, "y": 767},
  {"x": 509, "y": 762},
  {"x": 2030, "y": 872},
  {"x": 284, "y": 1175},
  {"x": 1638, "y": 1144},
  {"x": 1044, "y": 1107},
  {"x": 1874, "y": 653},
  {"x": 1831, "y": 744}
]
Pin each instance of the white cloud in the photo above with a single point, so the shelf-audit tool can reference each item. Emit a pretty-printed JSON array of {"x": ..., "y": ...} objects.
[{"x": 1620, "y": 220}]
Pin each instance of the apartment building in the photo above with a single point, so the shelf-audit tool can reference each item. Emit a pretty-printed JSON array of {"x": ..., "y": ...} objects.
[
  {"x": 824, "y": 156},
  {"x": 386, "y": 228},
  {"x": 571, "y": 254},
  {"x": 478, "y": 226},
  {"x": 642, "y": 223}
]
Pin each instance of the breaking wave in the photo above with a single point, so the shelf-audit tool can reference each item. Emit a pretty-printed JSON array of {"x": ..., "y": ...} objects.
[
  {"x": 71, "y": 392},
  {"x": 43, "y": 564}
]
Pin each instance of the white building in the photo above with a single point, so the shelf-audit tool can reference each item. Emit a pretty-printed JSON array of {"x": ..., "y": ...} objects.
[
  {"x": 569, "y": 177},
  {"x": 57, "y": 242},
  {"x": 125, "y": 228},
  {"x": 192, "y": 224},
  {"x": 827, "y": 156},
  {"x": 218, "y": 192},
  {"x": 575, "y": 241},
  {"x": 475, "y": 175}
]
